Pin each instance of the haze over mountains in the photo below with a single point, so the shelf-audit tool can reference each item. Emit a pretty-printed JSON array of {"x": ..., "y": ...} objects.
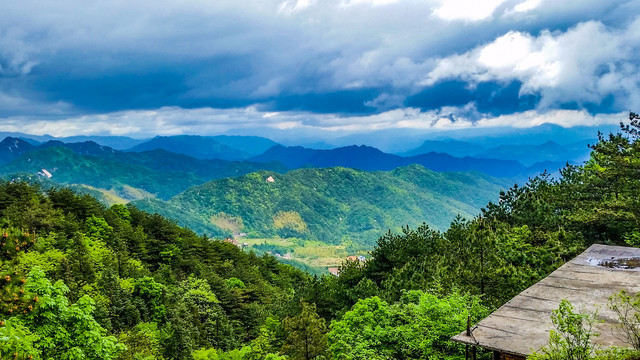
[
  {"x": 209, "y": 147},
  {"x": 371, "y": 159}
]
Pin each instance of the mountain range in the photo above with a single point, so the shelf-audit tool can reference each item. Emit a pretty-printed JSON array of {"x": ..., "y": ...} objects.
[
  {"x": 371, "y": 159},
  {"x": 525, "y": 154},
  {"x": 211, "y": 157},
  {"x": 208, "y": 147}
]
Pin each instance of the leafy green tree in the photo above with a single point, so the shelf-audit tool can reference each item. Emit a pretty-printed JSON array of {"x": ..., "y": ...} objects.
[
  {"x": 235, "y": 283},
  {"x": 571, "y": 340},
  {"x": 270, "y": 340},
  {"x": 59, "y": 330},
  {"x": 363, "y": 332},
  {"x": 122, "y": 308},
  {"x": 237, "y": 354},
  {"x": 98, "y": 228},
  {"x": 419, "y": 326},
  {"x": 627, "y": 308},
  {"x": 16, "y": 340},
  {"x": 143, "y": 342},
  {"x": 393, "y": 251},
  {"x": 13, "y": 244},
  {"x": 151, "y": 295}
]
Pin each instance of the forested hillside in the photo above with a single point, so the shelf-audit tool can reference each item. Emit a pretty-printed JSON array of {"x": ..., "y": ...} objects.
[
  {"x": 136, "y": 281},
  {"x": 331, "y": 205}
]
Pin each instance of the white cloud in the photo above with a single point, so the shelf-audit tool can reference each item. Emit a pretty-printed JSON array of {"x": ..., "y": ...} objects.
[
  {"x": 208, "y": 121},
  {"x": 368, "y": 2},
  {"x": 470, "y": 10},
  {"x": 584, "y": 64},
  {"x": 527, "y": 6},
  {"x": 292, "y": 6},
  {"x": 564, "y": 118}
]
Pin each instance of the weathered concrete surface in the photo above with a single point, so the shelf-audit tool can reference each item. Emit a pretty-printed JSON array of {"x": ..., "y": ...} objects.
[{"x": 521, "y": 326}]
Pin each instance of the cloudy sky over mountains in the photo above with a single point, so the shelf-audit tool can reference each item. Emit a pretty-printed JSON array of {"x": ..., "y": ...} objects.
[{"x": 203, "y": 67}]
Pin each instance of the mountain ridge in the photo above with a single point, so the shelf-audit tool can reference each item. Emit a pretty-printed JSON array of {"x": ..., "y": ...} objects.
[{"x": 368, "y": 158}]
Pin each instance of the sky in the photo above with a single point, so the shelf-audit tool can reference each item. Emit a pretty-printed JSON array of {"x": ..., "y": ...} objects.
[{"x": 143, "y": 68}]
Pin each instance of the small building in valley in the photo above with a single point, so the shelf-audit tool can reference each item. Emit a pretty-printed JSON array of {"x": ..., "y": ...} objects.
[{"x": 521, "y": 326}]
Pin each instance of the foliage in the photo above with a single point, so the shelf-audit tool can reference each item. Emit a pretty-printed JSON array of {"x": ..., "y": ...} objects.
[
  {"x": 627, "y": 308},
  {"x": 617, "y": 354},
  {"x": 13, "y": 299},
  {"x": 130, "y": 279},
  {"x": 572, "y": 337},
  {"x": 418, "y": 326},
  {"x": 57, "y": 329},
  {"x": 143, "y": 342},
  {"x": 289, "y": 224},
  {"x": 571, "y": 340},
  {"x": 17, "y": 340}
]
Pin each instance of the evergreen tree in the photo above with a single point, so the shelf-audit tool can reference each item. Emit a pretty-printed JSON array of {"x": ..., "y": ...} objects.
[{"x": 307, "y": 334}]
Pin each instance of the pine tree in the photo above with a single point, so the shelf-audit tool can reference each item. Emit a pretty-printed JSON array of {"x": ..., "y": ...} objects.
[{"x": 307, "y": 338}]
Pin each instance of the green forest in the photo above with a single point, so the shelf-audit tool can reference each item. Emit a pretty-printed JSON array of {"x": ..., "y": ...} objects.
[
  {"x": 332, "y": 205},
  {"x": 80, "y": 280}
]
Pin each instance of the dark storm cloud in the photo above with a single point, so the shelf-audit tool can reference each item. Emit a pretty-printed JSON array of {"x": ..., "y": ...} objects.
[
  {"x": 324, "y": 63},
  {"x": 493, "y": 98}
]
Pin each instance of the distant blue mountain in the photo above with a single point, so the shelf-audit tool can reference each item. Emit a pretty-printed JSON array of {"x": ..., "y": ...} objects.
[
  {"x": 400, "y": 141},
  {"x": 371, "y": 159},
  {"x": 537, "y": 135},
  {"x": 195, "y": 146},
  {"x": 526, "y": 154},
  {"x": 11, "y": 148},
  {"x": 82, "y": 148},
  {"x": 451, "y": 147},
  {"x": 530, "y": 154},
  {"x": 115, "y": 142},
  {"x": 252, "y": 145},
  {"x": 208, "y": 147}
]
